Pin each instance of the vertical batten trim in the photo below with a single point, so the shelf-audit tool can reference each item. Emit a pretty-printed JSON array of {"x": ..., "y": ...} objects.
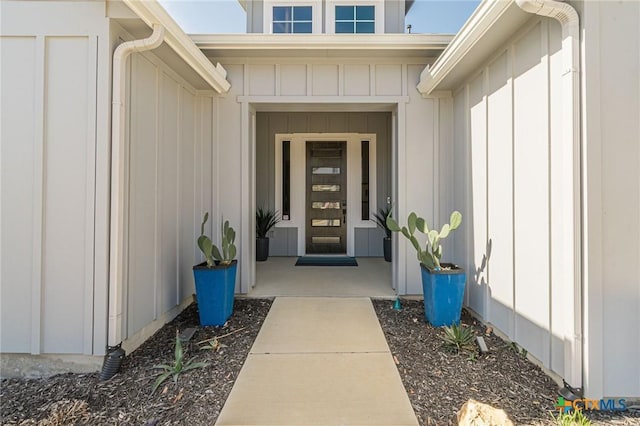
[
  {"x": 510, "y": 74},
  {"x": 436, "y": 164},
  {"x": 179, "y": 206},
  {"x": 401, "y": 186},
  {"x": 277, "y": 78},
  {"x": 92, "y": 81},
  {"x": 511, "y": 71},
  {"x": 546, "y": 64},
  {"x": 372, "y": 80},
  {"x": 157, "y": 238},
  {"x": 467, "y": 193},
  {"x": 486, "y": 300},
  {"x": 247, "y": 204},
  {"x": 38, "y": 194}
]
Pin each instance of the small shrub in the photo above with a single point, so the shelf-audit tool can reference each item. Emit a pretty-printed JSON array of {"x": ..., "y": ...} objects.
[
  {"x": 459, "y": 339},
  {"x": 178, "y": 367}
]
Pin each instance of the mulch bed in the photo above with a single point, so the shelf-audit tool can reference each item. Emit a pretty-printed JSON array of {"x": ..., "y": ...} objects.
[
  {"x": 126, "y": 398},
  {"x": 438, "y": 381}
]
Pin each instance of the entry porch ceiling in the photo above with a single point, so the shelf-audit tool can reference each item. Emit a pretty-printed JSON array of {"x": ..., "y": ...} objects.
[{"x": 322, "y": 45}]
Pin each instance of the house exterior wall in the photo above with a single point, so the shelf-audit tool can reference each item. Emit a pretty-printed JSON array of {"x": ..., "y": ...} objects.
[
  {"x": 168, "y": 188},
  {"x": 268, "y": 124},
  {"x": 611, "y": 179},
  {"x": 54, "y": 188},
  {"x": 515, "y": 194},
  {"x": 334, "y": 85}
]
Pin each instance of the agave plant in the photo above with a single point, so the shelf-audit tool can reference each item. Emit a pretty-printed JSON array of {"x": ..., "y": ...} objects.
[
  {"x": 265, "y": 220},
  {"x": 211, "y": 251},
  {"x": 380, "y": 218},
  {"x": 459, "y": 338},
  {"x": 432, "y": 253},
  {"x": 178, "y": 367}
]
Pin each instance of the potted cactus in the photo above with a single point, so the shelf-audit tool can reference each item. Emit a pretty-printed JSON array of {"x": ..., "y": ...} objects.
[
  {"x": 442, "y": 283},
  {"x": 216, "y": 277}
]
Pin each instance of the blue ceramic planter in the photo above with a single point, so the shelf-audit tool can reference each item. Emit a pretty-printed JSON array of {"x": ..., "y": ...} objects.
[
  {"x": 215, "y": 291},
  {"x": 443, "y": 293}
]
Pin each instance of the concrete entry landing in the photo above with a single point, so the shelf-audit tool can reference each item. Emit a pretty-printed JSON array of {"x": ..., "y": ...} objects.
[
  {"x": 319, "y": 361},
  {"x": 279, "y": 277}
]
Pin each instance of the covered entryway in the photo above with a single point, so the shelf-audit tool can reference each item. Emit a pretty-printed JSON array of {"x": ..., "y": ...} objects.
[{"x": 326, "y": 173}]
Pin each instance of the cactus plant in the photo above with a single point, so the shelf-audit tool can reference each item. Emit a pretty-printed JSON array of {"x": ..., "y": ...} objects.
[
  {"x": 211, "y": 251},
  {"x": 432, "y": 253}
]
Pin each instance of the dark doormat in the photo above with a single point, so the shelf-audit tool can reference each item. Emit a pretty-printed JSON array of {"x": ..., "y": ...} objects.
[{"x": 326, "y": 261}]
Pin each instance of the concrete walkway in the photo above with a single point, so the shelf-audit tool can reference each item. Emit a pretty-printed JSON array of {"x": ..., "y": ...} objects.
[{"x": 319, "y": 361}]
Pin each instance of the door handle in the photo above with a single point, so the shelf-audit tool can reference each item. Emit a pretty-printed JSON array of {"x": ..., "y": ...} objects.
[{"x": 344, "y": 212}]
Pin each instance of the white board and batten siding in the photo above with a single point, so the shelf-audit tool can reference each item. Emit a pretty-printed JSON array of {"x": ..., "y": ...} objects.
[
  {"x": 515, "y": 181},
  {"x": 335, "y": 84},
  {"x": 55, "y": 152},
  {"x": 53, "y": 129},
  {"x": 169, "y": 147},
  {"x": 516, "y": 195}
]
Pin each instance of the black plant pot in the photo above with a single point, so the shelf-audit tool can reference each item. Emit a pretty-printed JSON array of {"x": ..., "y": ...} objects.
[
  {"x": 386, "y": 246},
  {"x": 262, "y": 249}
]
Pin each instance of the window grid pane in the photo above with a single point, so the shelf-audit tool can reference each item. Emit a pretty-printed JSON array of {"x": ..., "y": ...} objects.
[
  {"x": 355, "y": 19},
  {"x": 292, "y": 19}
]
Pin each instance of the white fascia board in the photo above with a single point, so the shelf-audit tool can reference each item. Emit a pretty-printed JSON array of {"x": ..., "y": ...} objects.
[
  {"x": 151, "y": 12},
  {"x": 322, "y": 41},
  {"x": 484, "y": 18}
]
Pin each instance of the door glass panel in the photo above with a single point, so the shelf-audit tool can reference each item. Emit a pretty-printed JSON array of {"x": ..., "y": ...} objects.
[
  {"x": 325, "y": 222},
  {"x": 325, "y": 240},
  {"x": 326, "y": 205},
  {"x": 325, "y": 188},
  {"x": 326, "y": 170}
]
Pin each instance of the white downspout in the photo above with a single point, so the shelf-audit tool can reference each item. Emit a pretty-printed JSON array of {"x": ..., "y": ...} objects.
[
  {"x": 570, "y": 22},
  {"x": 116, "y": 249}
]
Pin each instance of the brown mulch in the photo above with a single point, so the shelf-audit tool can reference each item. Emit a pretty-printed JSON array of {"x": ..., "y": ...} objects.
[
  {"x": 438, "y": 382},
  {"x": 126, "y": 398}
]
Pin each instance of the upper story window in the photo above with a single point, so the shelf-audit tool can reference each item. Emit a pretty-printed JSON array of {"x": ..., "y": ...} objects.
[
  {"x": 292, "y": 19},
  {"x": 355, "y": 19}
]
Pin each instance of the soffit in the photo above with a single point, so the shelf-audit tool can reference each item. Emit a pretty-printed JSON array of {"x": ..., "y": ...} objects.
[{"x": 321, "y": 45}]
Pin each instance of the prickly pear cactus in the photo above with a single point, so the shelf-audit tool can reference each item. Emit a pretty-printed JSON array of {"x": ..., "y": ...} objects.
[
  {"x": 211, "y": 252},
  {"x": 432, "y": 253}
]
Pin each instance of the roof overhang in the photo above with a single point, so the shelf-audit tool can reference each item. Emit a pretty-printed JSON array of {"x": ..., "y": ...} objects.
[
  {"x": 151, "y": 12},
  {"x": 321, "y": 45},
  {"x": 483, "y": 33}
]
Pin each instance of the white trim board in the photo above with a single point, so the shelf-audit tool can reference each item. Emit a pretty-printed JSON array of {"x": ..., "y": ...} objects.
[{"x": 298, "y": 179}]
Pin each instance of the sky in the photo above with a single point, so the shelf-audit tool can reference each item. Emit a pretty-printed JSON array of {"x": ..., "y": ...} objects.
[{"x": 226, "y": 16}]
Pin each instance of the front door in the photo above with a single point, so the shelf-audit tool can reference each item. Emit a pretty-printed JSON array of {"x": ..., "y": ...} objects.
[{"x": 326, "y": 203}]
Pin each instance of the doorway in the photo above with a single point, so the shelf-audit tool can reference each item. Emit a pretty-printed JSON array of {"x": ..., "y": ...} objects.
[{"x": 326, "y": 197}]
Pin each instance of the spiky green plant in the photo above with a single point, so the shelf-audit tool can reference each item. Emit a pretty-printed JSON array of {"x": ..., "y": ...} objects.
[
  {"x": 211, "y": 251},
  {"x": 265, "y": 220},
  {"x": 178, "y": 367},
  {"x": 573, "y": 418},
  {"x": 380, "y": 218},
  {"x": 432, "y": 253},
  {"x": 459, "y": 338}
]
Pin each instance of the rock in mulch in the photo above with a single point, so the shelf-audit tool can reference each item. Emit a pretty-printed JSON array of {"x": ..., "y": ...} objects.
[{"x": 474, "y": 413}]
